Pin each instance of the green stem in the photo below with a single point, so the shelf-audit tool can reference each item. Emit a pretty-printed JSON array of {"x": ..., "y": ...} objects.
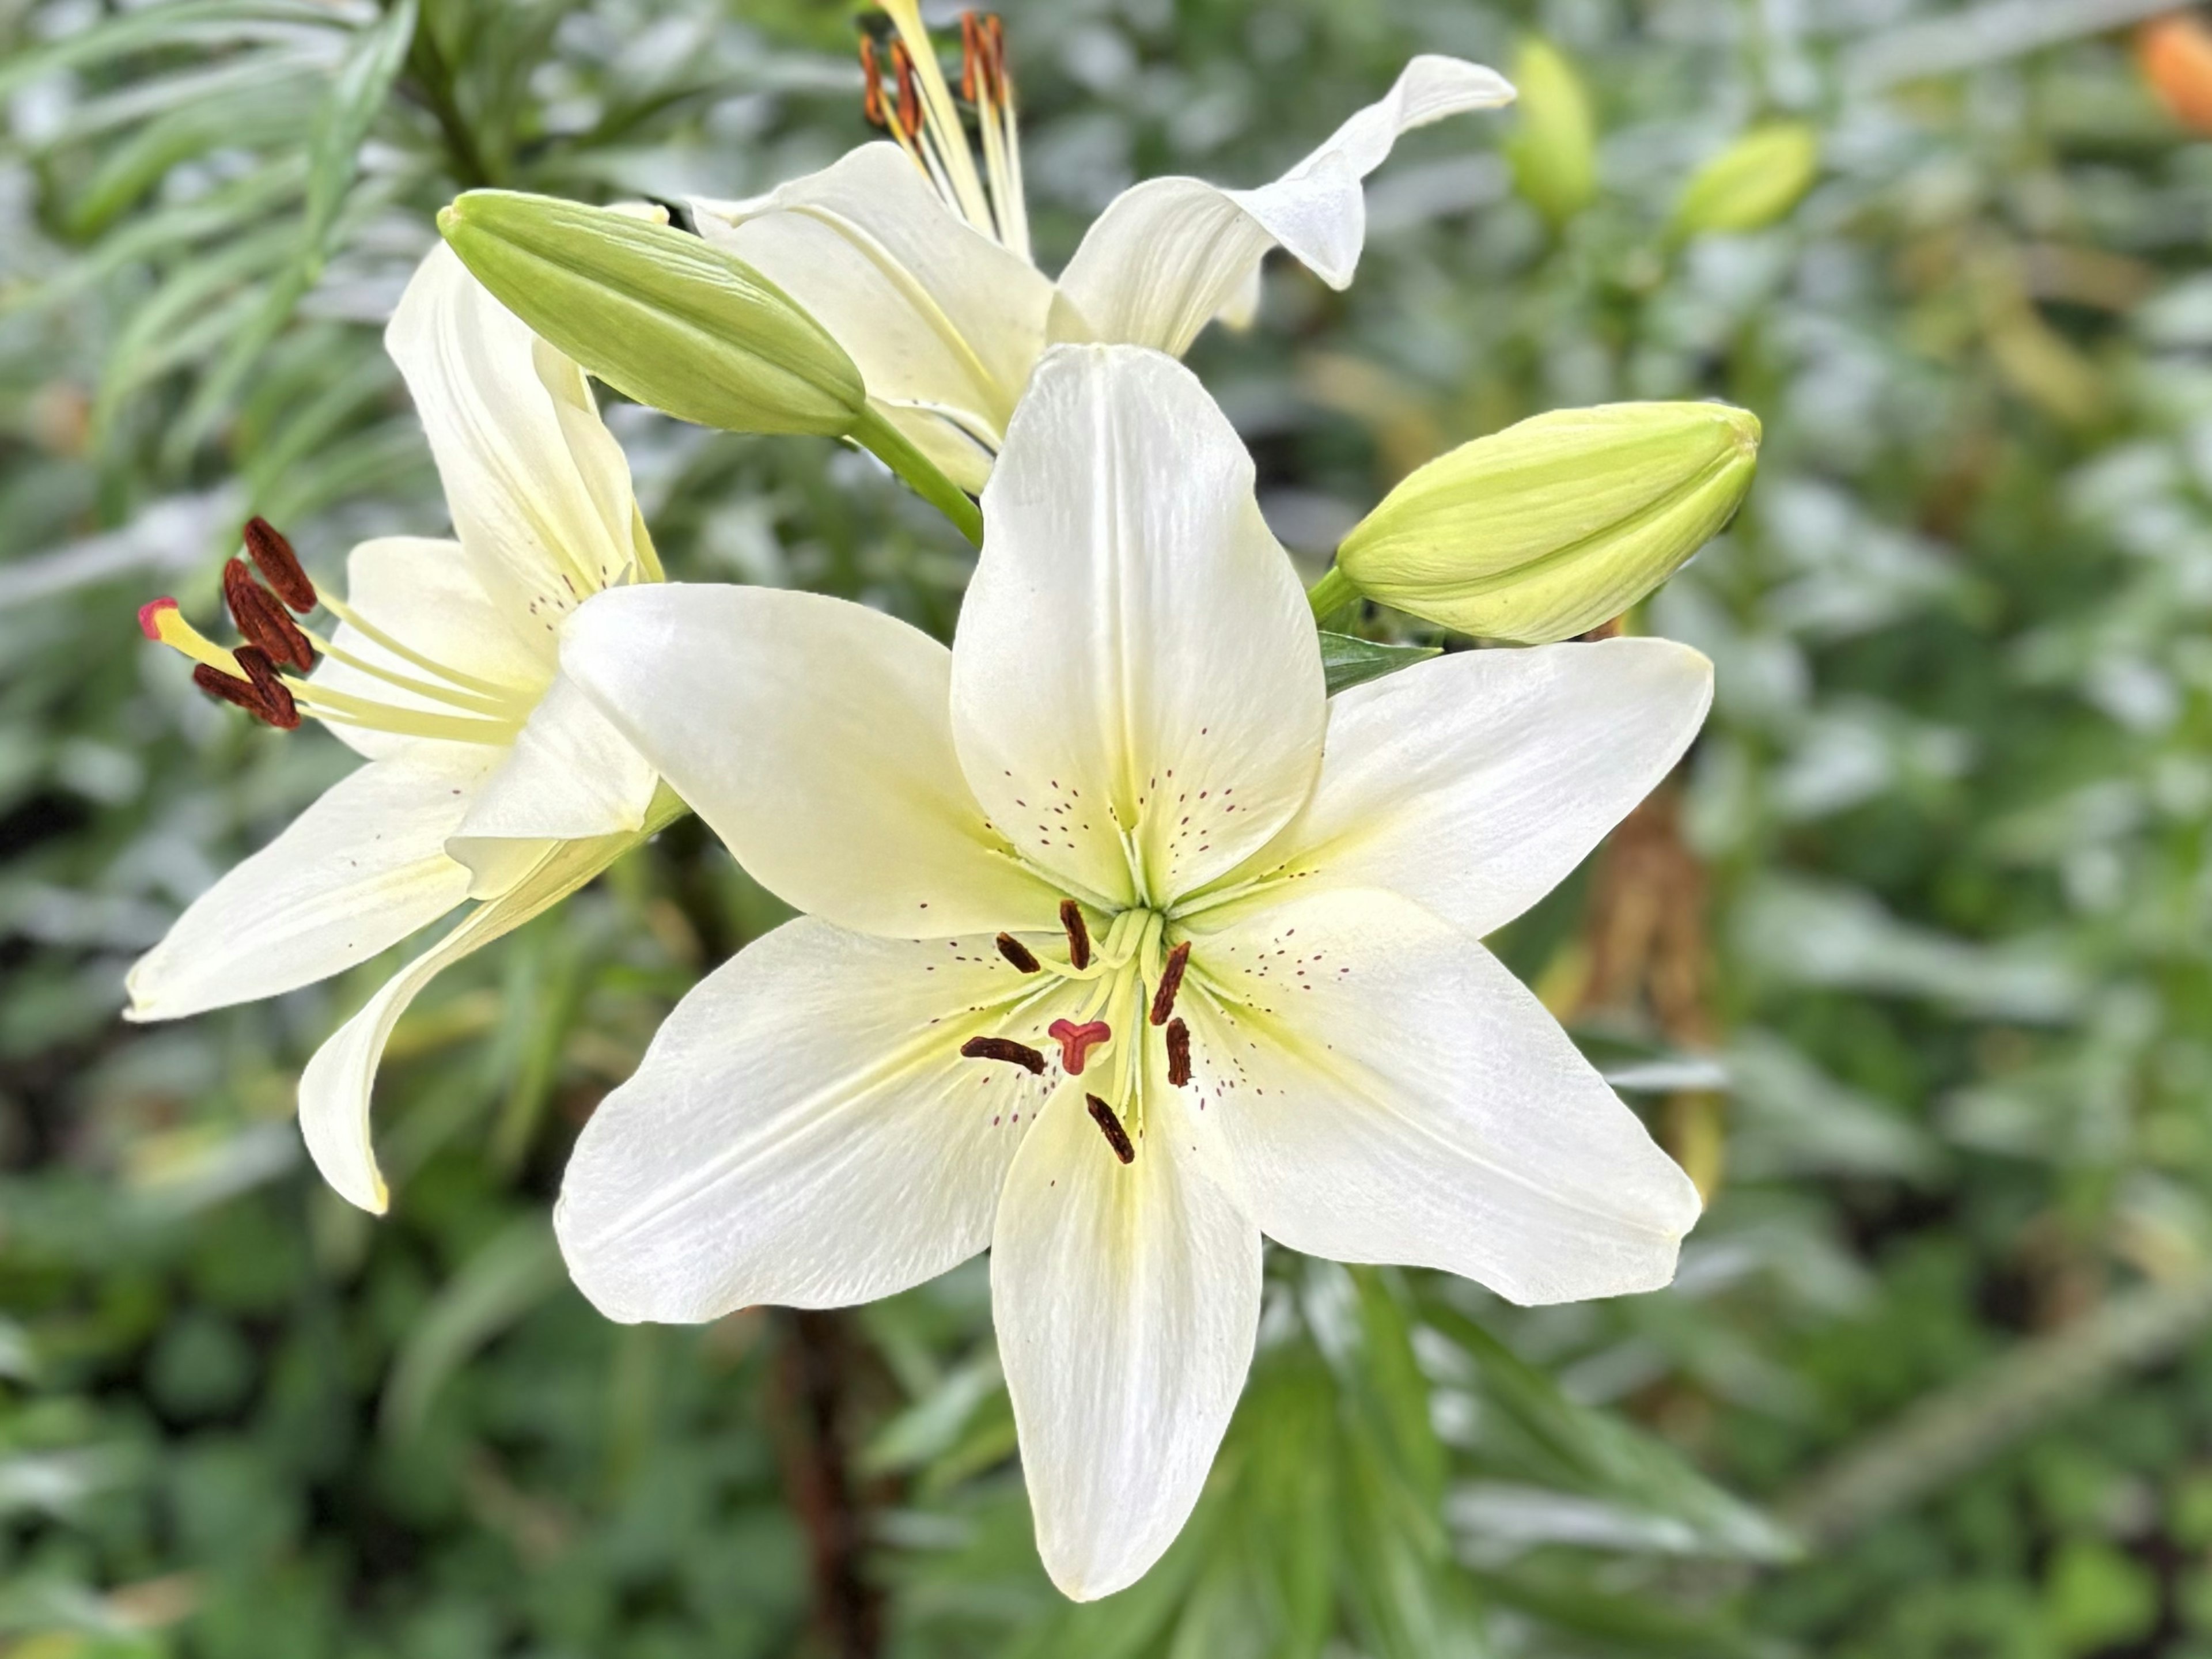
[
  {"x": 1333, "y": 592},
  {"x": 889, "y": 446}
]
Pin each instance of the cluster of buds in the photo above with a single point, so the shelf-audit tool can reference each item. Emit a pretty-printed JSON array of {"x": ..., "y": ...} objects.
[{"x": 247, "y": 675}]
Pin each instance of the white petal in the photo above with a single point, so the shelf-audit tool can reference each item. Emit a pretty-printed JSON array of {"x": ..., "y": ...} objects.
[
  {"x": 423, "y": 594},
  {"x": 1127, "y": 1299},
  {"x": 571, "y": 776},
  {"x": 1170, "y": 254},
  {"x": 1386, "y": 1092},
  {"x": 1134, "y": 655},
  {"x": 813, "y": 735},
  {"x": 1473, "y": 784},
  {"x": 353, "y": 875},
  {"x": 931, "y": 310},
  {"x": 336, "y": 1087},
  {"x": 803, "y": 1130},
  {"x": 538, "y": 489}
]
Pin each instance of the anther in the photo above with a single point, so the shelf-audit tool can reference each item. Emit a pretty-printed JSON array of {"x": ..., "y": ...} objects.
[
  {"x": 1170, "y": 982},
  {"x": 1077, "y": 1041},
  {"x": 871, "y": 90},
  {"x": 909, "y": 95},
  {"x": 262, "y": 620},
  {"x": 1018, "y": 953},
  {"x": 1078, "y": 936},
  {"x": 991, "y": 1047},
  {"x": 279, "y": 565},
  {"x": 1110, "y": 1127},
  {"x": 1178, "y": 1052},
  {"x": 261, "y": 694},
  {"x": 970, "y": 50}
]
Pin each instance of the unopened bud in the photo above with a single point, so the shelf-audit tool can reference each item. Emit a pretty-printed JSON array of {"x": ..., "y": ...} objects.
[
  {"x": 661, "y": 316},
  {"x": 1554, "y": 154},
  {"x": 1548, "y": 528},
  {"x": 1752, "y": 182}
]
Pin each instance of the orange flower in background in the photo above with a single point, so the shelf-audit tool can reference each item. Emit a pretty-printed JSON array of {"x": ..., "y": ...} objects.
[{"x": 2175, "y": 52}]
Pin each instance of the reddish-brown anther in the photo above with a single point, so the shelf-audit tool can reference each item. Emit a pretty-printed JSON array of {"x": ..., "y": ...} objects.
[
  {"x": 279, "y": 565},
  {"x": 1170, "y": 982},
  {"x": 1006, "y": 1048},
  {"x": 261, "y": 694},
  {"x": 1178, "y": 1052},
  {"x": 1018, "y": 953},
  {"x": 1110, "y": 1127},
  {"x": 871, "y": 90},
  {"x": 1078, "y": 936},
  {"x": 1076, "y": 1041},
  {"x": 262, "y": 620}
]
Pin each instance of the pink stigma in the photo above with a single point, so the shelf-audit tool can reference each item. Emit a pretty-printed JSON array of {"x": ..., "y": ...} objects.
[
  {"x": 150, "y": 616},
  {"x": 1075, "y": 1040}
]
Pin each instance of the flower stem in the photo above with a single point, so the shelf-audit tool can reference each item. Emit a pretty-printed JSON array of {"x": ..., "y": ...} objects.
[
  {"x": 1332, "y": 593},
  {"x": 891, "y": 447}
]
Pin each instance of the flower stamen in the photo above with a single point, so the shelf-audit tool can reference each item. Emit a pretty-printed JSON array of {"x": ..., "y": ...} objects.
[
  {"x": 1170, "y": 982},
  {"x": 1078, "y": 936},
  {"x": 1076, "y": 1041},
  {"x": 279, "y": 565},
  {"x": 262, "y": 620},
  {"x": 1020, "y": 954},
  {"x": 1006, "y": 1048},
  {"x": 1178, "y": 1053},
  {"x": 1110, "y": 1127},
  {"x": 261, "y": 694}
]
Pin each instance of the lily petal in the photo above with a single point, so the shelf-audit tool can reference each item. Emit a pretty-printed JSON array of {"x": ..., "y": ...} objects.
[
  {"x": 1170, "y": 254},
  {"x": 812, "y": 735},
  {"x": 1135, "y": 656},
  {"x": 336, "y": 1087},
  {"x": 803, "y": 1130},
  {"x": 352, "y": 876},
  {"x": 539, "y": 488},
  {"x": 1127, "y": 1299},
  {"x": 1386, "y": 1092},
  {"x": 1473, "y": 784},
  {"x": 570, "y": 776},
  {"x": 422, "y": 594},
  {"x": 933, "y": 312}
]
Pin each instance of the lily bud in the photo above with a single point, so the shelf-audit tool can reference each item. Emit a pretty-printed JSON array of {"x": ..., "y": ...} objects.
[
  {"x": 1548, "y": 528},
  {"x": 1752, "y": 182},
  {"x": 1554, "y": 155},
  {"x": 662, "y": 317}
]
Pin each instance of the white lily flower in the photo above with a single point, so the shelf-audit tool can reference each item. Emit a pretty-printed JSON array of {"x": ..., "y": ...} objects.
[
  {"x": 917, "y": 261},
  {"x": 490, "y": 776},
  {"x": 1125, "y": 945}
]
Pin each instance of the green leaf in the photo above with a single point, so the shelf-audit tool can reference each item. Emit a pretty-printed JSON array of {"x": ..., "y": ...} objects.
[
  {"x": 502, "y": 1281},
  {"x": 1349, "y": 660}
]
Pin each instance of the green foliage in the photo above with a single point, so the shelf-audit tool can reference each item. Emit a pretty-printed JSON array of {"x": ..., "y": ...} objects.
[{"x": 1934, "y": 1379}]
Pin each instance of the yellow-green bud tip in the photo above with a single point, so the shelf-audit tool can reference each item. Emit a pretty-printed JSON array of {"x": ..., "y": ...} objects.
[
  {"x": 1552, "y": 527},
  {"x": 657, "y": 313}
]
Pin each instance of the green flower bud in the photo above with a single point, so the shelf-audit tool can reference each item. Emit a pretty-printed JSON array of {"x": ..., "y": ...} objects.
[
  {"x": 660, "y": 316},
  {"x": 1550, "y": 527},
  {"x": 1752, "y": 182},
  {"x": 1554, "y": 155}
]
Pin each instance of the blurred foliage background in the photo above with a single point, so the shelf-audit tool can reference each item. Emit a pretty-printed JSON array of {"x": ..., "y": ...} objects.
[{"x": 1910, "y": 966}]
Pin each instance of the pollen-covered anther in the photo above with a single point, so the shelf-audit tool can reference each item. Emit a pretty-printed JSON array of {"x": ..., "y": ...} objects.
[
  {"x": 1110, "y": 1127},
  {"x": 1170, "y": 982},
  {"x": 872, "y": 87},
  {"x": 1078, "y": 935},
  {"x": 1018, "y": 953},
  {"x": 261, "y": 694},
  {"x": 1178, "y": 1053},
  {"x": 1006, "y": 1048},
  {"x": 909, "y": 111},
  {"x": 262, "y": 620},
  {"x": 1076, "y": 1041},
  {"x": 279, "y": 565}
]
